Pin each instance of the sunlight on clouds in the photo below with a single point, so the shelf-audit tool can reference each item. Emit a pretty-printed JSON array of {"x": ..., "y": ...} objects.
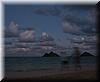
[
  {"x": 13, "y": 27},
  {"x": 46, "y": 37},
  {"x": 28, "y": 35}
]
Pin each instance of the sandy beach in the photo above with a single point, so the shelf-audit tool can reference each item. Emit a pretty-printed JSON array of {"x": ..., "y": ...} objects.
[{"x": 65, "y": 74}]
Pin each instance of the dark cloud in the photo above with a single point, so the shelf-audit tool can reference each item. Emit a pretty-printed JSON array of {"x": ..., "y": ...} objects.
[
  {"x": 40, "y": 11},
  {"x": 51, "y": 10},
  {"x": 48, "y": 43},
  {"x": 84, "y": 28},
  {"x": 82, "y": 17},
  {"x": 79, "y": 6},
  {"x": 70, "y": 28},
  {"x": 7, "y": 33}
]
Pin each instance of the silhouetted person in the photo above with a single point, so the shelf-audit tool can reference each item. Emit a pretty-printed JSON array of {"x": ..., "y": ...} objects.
[
  {"x": 77, "y": 57},
  {"x": 64, "y": 64}
]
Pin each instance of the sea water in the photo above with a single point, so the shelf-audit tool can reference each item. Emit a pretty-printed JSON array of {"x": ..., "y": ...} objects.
[{"x": 28, "y": 64}]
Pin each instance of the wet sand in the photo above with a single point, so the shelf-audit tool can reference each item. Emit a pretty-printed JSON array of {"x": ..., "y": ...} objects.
[{"x": 62, "y": 74}]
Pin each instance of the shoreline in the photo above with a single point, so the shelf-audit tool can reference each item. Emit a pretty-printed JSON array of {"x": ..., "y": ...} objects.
[{"x": 65, "y": 74}]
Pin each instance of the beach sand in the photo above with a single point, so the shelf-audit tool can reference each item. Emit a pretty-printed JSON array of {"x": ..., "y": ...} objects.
[{"x": 65, "y": 74}]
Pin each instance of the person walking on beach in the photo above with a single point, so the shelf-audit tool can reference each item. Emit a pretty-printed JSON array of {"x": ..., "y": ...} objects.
[
  {"x": 64, "y": 64},
  {"x": 77, "y": 57}
]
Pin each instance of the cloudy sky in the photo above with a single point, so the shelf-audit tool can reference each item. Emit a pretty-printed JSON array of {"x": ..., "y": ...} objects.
[{"x": 63, "y": 26}]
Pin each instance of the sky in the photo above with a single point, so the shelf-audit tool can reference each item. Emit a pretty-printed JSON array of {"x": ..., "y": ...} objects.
[{"x": 56, "y": 26}]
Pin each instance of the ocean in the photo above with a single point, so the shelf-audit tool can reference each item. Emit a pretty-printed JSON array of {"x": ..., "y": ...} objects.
[{"x": 28, "y": 64}]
